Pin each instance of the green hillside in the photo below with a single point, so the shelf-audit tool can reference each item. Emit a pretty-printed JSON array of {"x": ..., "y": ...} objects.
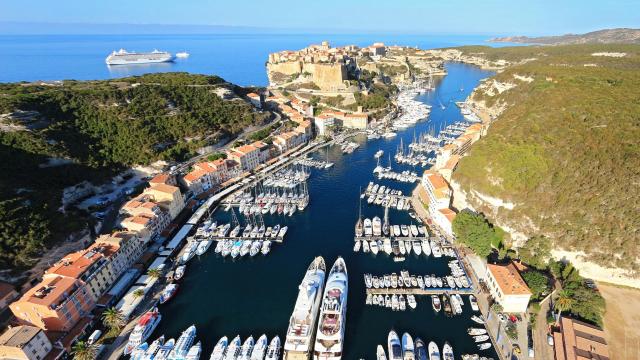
[
  {"x": 566, "y": 150},
  {"x": 102, "y": 127}
]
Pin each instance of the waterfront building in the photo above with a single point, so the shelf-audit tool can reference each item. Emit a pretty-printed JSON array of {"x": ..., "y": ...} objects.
[
  {"x": 576, "y": 340},
  {"x": 443, "y": 218},
  {"x": 264, "y": 151},
  {"x": 507, "y": 288},
  {"x": 323, "y": 123},
  {"x": 168, "y": 197},
  {"x": 207, "y": 174},
  {"x": 255, "y": 100},
  {"x": 437, "y": 191},
  {"x": 8, "y": 293},
  {"x": 248, "y": 156},
  {"x": 449, "y": 167},
  {"x": 24, "y": 343},
  {"x": 288, "y": 140},
  {"x": 57, "y": 303},
  {"x": 92, "y": 266},
  {"x": 127, "y": 247},
  {"x": 164, "y": 178},
  {"x": 355, "y": 121},
  {"x": 444, "y": 154},
  {"x": 148, "y": 227}
]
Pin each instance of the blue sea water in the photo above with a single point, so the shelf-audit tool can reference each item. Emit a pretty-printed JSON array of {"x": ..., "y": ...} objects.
[{"x": 239, "y": 58}]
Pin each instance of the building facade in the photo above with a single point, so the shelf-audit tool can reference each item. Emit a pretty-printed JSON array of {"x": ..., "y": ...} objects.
[
  {"x": 248, "y": 156},
  {"x": 24, "y": 343},
  {"x": 576, "y": 340},
  {"x": 57, "y": 303},
  {"x": 167, "y": 196}
]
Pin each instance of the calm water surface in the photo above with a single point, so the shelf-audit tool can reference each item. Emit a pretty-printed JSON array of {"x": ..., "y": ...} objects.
[
  {"x": 239, "y": 58},
  {"x": 256, "y": 295}
]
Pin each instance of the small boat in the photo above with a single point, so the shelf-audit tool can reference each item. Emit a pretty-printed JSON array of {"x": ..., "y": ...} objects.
[
  {"x": 407, "y": 347},
  {"x": 247, "y": 348},
  {"x": 380, "y": 355},
  {"x": 190, "y": 251},
  {"x": 234, "y": 348},
  {"x": 168, "y": 292},
  {"x": 374, "y": 247},
  {"x": 435, "y": 303},
  {"x": 356, "y": 246},
  {"x": 474, "y": 303},
  {"x": 365, "y": 246},
  {"x": 394, "y": 348},
  {"x": 273, "y": 351},
  {"x": 283, "y": 232},
  {"x": 266, "y": 247},
  {"x": 194, "y": 352},
  {"x": 477, "y": 319},
  {"x": 421, "y": 350},
  {"x": 476, "y": 331},
  {"x": 256, "y": 246},
  {"x": 447, "y": 351},
  {"x": 165, "y": 350},
  {"x": 203, "y": 246},
  {"x": 426, "y": 247},
  {"x": 434, "y": 352},
  {"x": 182, "y": 54},
  {"x": 404, "y": 230},
  {"x": 480, "y": 338},
  {"x": 246, "y": 247},
  {"x": 275, "y": 231},
  {"x": 260, "y": 348},
  {"x": 411, "y": 300},
  {"x": 484, "y": 346},
  {"x": 220, "y": 349},
  {"x": 179, "y": 273},
  {"x": 417, "y": 248}
]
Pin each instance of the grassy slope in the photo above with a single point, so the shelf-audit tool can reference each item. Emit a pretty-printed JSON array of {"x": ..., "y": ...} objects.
[
  {"x": 103, "y": 126},
  {"x": 566, "y": 148}
]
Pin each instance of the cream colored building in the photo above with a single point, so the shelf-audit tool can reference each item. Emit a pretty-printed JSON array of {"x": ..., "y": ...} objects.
[
  {"x": 167, "y": 196},
  {"x": 248, "y": 156},
  {"x": 24, "y": 343},
  {"x": 128, "y": 248},
  {"x": 507, "y": 288}
]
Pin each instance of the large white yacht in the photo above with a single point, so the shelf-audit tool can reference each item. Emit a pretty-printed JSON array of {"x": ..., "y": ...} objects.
[
  {"x": 330, "y": 335},
  {"x": 302, "y": 324}
]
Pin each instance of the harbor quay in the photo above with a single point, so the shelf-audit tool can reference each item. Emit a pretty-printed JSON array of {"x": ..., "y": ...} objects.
[{"x": 415, "y": 291}]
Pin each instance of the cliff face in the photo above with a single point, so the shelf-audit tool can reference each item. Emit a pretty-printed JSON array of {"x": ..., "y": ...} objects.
[
  {"x": 328, "y": 77},
  {"x": 560, "y": 158}
]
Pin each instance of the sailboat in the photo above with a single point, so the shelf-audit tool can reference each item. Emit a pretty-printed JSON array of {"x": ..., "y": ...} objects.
[{"x": 359, "y": 223}]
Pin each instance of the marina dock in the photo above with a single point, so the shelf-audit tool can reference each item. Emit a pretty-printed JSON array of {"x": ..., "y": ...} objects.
[{"x": 415, "y": 291}]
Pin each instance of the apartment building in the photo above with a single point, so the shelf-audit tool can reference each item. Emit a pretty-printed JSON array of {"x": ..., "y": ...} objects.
[
  {"x": 576, "y": 340},
  {"x": 24, "y": 343},
  {"x": 57, "y": 303},
  {"x": 248, "y": 156},
  {"x": 168, "y": 197}
]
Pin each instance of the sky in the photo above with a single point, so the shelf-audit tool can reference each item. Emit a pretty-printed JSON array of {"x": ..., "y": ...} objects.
[{"x": 503, "y": 17}]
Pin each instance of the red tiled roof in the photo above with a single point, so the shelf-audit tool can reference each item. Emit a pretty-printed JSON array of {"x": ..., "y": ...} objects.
[{"x": 508, "y": 279}]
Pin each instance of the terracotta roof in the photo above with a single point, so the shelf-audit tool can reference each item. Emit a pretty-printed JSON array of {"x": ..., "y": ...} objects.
[
  {"x": 194, "y": 175},
  {"x": 508, "y": 279},
  {"x": 245, "y": 149},
  {"x": 18, "y": 336},
  {"x": 436, "y": 180},
  {"x": 160, "y": 179},
  {"x": 253, "y": 95},
  {"x": 141, "y": 220},
  {"x": 448, "y": 213},
  {"x": 169, "y": 189},
  {"x": 75, "y": 264},
  {"x": 452, "y": 162},
  {"x": 50, "y": 290}
]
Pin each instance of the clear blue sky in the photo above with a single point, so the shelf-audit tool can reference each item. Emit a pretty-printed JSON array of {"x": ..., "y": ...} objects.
[{"x": 517, "y": 17}]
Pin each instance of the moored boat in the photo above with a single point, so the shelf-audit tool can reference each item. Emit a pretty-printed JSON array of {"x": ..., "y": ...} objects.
[
  {"x": 260, "y": 348},
  {"x": 219, "y": 349},
  {"x": 421, "y": 350},
  {"x": 302, "y": 323},
  {"x": 143, "y": 329},
  {"x": 273, "y": 351},
  {"x": 394, "y": 347},
  {"x": 332, "y": 319},
  {"x": 233, "y": 349},
  {"x": 184, "y": 343},
  {"x": 168, "y": 292},
  {"x": 380, "y": 355},
  {"x": 447, "y": 351},
  {"x": 434, "y": 352},
  {"x": 407, "y": 347}
]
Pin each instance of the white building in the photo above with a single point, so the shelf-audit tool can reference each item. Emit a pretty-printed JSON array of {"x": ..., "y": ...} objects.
[{"x": 508, "y": 288}]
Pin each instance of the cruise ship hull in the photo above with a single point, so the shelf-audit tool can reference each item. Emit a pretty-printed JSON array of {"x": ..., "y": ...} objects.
[{"x": 123, "y": 57}]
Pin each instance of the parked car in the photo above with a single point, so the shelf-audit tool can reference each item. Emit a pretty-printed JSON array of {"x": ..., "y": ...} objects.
[{"x": 550, "y": 339}]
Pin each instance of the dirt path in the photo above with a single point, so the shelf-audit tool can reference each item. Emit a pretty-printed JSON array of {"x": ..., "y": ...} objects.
[{"x": 622, "y": 321}]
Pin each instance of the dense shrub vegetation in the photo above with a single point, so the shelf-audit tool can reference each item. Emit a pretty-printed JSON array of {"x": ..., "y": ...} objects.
[
  {"x": 565, "y": 150},
  {"x": 101, "y": 127},
  {"x": 477, "y": 233}
]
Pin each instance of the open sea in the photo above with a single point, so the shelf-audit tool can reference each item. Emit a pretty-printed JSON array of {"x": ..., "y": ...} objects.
[
  {"x": 239, "y": 58},
  {"x": 253, "y": 296}
]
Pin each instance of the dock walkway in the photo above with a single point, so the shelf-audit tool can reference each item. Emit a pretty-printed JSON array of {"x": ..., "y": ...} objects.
[{"x": 417, "y": 291}]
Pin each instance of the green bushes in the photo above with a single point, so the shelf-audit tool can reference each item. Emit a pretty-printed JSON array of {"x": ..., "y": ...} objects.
[{"x": 475, "y": 231}]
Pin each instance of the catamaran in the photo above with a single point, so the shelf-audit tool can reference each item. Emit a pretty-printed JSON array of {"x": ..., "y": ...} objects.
[
  {"x": 302, "y": 324},
  {"x": 331, "y": 324}
]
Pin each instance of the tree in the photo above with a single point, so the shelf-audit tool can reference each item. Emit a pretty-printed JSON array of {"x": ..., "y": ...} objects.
[
  {"x": 113, "y": 319},
  {"x": 537, "y": 282},
  {"x": 154, "y": 273},
  {"x": 475, "y": 231},
  {"x": 536, "y": 252},
  {"x": 138, "y": 293},
  {"x": 84, "y": 351},
  {"x": 564, "y": 302}
]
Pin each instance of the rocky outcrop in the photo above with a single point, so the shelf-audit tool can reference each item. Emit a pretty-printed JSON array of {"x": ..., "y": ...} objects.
[{"x": 606, "y": 36}]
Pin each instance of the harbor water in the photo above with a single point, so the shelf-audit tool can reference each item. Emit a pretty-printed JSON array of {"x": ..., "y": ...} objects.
[{"x": 252, "y": 296}]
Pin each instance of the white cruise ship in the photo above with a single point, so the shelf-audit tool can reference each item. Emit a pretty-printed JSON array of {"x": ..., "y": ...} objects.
[
  {"x": 123, "y": 57},
  {"x": 333, "y": 313},
  {"x": 302, "y": 324}
]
